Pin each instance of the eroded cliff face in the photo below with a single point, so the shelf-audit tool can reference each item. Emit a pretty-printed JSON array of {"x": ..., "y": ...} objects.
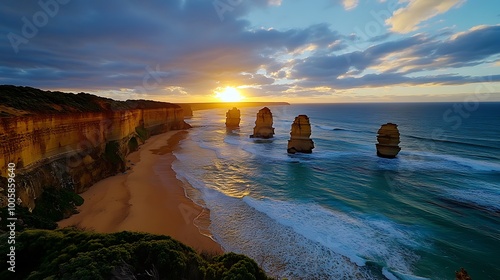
[
  {"x": 76, "y": 149},
  {"x": 263, "y": 124},
  {"x": 300, "y": 133},
  {"x": 233, "y": 118},
  {"x": 388, "y": 141}
]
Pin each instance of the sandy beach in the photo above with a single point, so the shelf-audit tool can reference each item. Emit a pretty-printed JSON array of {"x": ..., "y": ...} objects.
[{"x": 148, "y": 198}]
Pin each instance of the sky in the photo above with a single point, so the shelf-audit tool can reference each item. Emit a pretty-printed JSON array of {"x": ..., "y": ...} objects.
[{"x": 298, "y": 51}]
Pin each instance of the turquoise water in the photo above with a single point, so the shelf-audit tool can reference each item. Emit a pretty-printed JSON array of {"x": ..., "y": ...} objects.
[{"x": 342, "y": 212}]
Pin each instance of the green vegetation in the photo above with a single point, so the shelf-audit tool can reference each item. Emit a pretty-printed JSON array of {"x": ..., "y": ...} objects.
[
  {"x": 75, "y": 254},
  {"x": 54, "y": 205},
  {"x": 36, "y": 101},
  {"x": 25, "y": 219}
]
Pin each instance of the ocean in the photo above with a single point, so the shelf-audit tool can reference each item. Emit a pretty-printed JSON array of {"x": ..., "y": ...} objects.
[{"x": 342, "y": 212}]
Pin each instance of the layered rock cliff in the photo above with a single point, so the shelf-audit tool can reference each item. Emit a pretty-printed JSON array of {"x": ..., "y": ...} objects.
[
  {"x": 70, "y": 141},
  {"x": 300, "y": 133},
  {"x": 263, "y": 124}
]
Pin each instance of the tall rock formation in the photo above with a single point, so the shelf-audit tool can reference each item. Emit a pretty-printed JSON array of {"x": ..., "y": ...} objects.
[
  {"x": 388, "y": 140},
  {"x": 263, "y": 124},
  {"x": 233, "y": 118},
  {"x": 299, "y": 136}
]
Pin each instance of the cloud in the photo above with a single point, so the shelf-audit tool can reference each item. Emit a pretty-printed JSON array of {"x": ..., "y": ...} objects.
[
  {"x": 275, "y": 2},
  {"x": 394, "y": 61},
  {"x": 408, "y": 18},
  {"x": 182, "y": 48},
  {"x": 97, "y": 45},
  {"x": 350, "y": 4},
  {"x": 334, "y": 66}
]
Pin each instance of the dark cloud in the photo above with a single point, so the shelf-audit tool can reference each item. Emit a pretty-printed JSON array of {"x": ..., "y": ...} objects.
[
  {"x": 110, "y": 44},
  {"x": 167, "y": 47},
  {"x": 415, "y": 54},
  {"x": 472, "y": 46},
  {"x": 333, "y": 66},
  {"x": 385, "y": 79}
]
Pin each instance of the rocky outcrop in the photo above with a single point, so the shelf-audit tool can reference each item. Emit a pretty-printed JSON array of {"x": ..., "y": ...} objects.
[
  {"x": 462, "y": 275},
  {"x": 300, "y": 133},
  {"x": 76, "y": 140},
  {"x": 233, "y": 118},
  {"x": 388, "y": 140},
  {"x": 263, "y": 124}
]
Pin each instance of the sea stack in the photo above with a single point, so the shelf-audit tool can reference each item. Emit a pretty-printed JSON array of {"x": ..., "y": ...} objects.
[
  {"x": 233, "y": 118},
  {"x": 299, "y": 136},
  {"x": 263, "y": 124},
  {"x": 388, "y": 140}
]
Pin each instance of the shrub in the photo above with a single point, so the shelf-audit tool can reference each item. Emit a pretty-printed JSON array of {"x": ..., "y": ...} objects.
[
  {"x": 74, "y": 254},
  {"x": 55, "y": 205}
]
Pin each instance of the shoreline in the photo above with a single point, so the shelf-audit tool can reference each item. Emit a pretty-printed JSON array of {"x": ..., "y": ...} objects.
[{"x": 147, "y": 198}]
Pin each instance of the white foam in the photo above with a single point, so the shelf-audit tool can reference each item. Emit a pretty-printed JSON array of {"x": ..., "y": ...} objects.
[
  {"x": 359, "y": 239},
  {"x": 281, "y": 251},
  {"x": 474, "y": 164},
  {"x": 391, "y": 275}
]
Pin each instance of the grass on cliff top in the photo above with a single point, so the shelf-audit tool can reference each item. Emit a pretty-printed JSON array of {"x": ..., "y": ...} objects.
[
  {"x": 32, "y": 100},
  {"x": 75, "y": 254}
]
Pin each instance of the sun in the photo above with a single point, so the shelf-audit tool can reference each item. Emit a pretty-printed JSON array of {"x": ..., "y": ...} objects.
[{"x": 229, "y": 94}]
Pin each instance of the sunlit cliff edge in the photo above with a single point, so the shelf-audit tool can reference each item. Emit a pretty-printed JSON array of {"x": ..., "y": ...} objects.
[{"x": 70, "y": 141}]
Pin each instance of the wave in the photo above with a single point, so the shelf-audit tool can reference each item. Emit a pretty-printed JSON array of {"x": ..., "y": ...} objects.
[
  {"x": 486, "y": 198},
  {"x": 448, "y": 141},
  {"x": 344, "y": 247},
  {"x": 439, "y": 161},
  {"x": 331, "y": 128},
  {"x": 280, "y": 251},
  {"x": 360, "y": 239},
  {"x": 394, "y": 275},
  {"x": 422, "y": 161},
  {"x": 334, "y": 128}
]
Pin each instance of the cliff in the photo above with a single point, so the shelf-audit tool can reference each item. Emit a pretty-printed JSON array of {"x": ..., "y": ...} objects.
[{"x": 70, "y": 141}]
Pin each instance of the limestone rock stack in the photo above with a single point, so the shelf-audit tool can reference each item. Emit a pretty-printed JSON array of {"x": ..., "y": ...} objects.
[
  {"x": 233, "y": 118},
  {"x": 300, "y": 133},
  {"x": 263, "y": 124},
  {"x": 388, "y": 140}
]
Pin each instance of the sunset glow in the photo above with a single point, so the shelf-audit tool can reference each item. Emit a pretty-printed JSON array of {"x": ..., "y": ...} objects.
[
  {"x": 320, "y": 51},
  {"x": 229, "y": 94}
]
